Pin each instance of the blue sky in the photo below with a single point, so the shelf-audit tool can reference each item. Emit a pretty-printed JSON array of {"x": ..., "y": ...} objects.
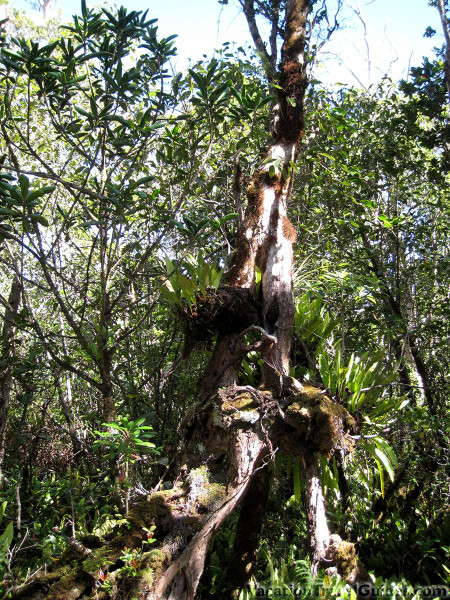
[{"x": 394, "y": 33}]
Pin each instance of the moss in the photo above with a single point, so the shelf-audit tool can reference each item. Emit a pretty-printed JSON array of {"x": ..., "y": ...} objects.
[
  {"x": 147, "y": 575},
  {"x": 65, "y": 583},
  {"x": 319, "y": 421},
  {"x": 244, "y": 401},
  {"x": 153, "y": 554},
  {"x": 241, "y": 408},
  {"x": 157, "y": 505},
  {"x": 198, "y": 477},
  {"x": 242, "y": 264},
  {"x": 240, "y": 259},
  {"x": 70, "y": 586},
  {"x": 292, "y": 78},
  {"x": 255, "y": 196},
  {"x": 289, "y": 230},
  {"x": 344, "y": 556},
  {"x": 225, "y": 310},
  {"x": 203, "y": 494},
  {"x": 212, "y": 495},
  {"x": 58, "y": 574},
  {"x": 153, "y": 564}
]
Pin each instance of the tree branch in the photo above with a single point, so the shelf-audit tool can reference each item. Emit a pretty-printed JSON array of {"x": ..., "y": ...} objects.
[{"x": 249, "y": 11}]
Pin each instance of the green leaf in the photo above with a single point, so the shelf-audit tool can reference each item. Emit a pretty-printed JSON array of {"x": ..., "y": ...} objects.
[
  {"x": 83, "y": 112},
  {"x": 385, "y": 221},
  {"x": 12, "y": 54},
  {"x": 229, "y": 217},
  {"x": 386, "y": 463},
  {"x": 324, "y": 370},
  {"x": 384, "y": 446},
  {"x": 146, "y": 444},
  {"x": 43, "y": 191},
  {"x": 141, "y": 181},
  {"x": 9, "y": 212},
  {"x": 120, "y": 120},
  {"x": 24, "y": 185},
  {"x": 381, "y": 473},
  {"x": 37, "y": 218},
  {"x": 6, "y": 537}
]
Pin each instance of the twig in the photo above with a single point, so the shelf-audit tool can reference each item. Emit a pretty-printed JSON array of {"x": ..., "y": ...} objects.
[{"x": 17, "y": 588}]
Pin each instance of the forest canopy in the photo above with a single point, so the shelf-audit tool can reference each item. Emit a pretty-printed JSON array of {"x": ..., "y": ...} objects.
[{"x": 224, "y": 366}]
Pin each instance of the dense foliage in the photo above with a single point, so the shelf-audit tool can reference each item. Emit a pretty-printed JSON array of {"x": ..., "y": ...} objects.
[{"x": 121, "y": 190}]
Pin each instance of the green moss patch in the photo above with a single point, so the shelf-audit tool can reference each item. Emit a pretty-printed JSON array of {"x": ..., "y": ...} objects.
[
  {"x": 319, "y": 421},
  {"x": 346, "y": 560}
]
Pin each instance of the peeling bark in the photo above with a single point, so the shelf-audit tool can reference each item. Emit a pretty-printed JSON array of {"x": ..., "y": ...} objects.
[{"x": 268, "y": 235}]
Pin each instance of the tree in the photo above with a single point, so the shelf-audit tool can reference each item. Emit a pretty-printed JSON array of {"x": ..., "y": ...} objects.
[
  {"x": 371, "y": 208},
  {"x": 143, "y": 165},
  {"x": 98, "y": 190}
]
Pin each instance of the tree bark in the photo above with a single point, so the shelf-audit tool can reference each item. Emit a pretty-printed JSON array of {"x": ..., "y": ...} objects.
[
  {"x": 268, "y": 235},
  {"x": 319, "y": 534},
  {"x": 251, "y": 519},
  {"x": 105, "y": 361},
  {"x": 67, "y": 409},
  {"x": 7, "y": 353}
]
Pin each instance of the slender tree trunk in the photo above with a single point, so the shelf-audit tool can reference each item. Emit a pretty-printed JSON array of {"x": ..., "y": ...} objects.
[
  {"x": 319, "y": 534},
  {"x": 394, "y": 307},
  {"x": 407, "y": 388},
  {"x": 65, "y": 400},
  {"x": 67, "y": 409},
  {"x": 267, "y": 237},
  {"x": 446, "y": 29},
  {"x": 7, "y": 353},
  {"x": 105, "y": 362}
]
